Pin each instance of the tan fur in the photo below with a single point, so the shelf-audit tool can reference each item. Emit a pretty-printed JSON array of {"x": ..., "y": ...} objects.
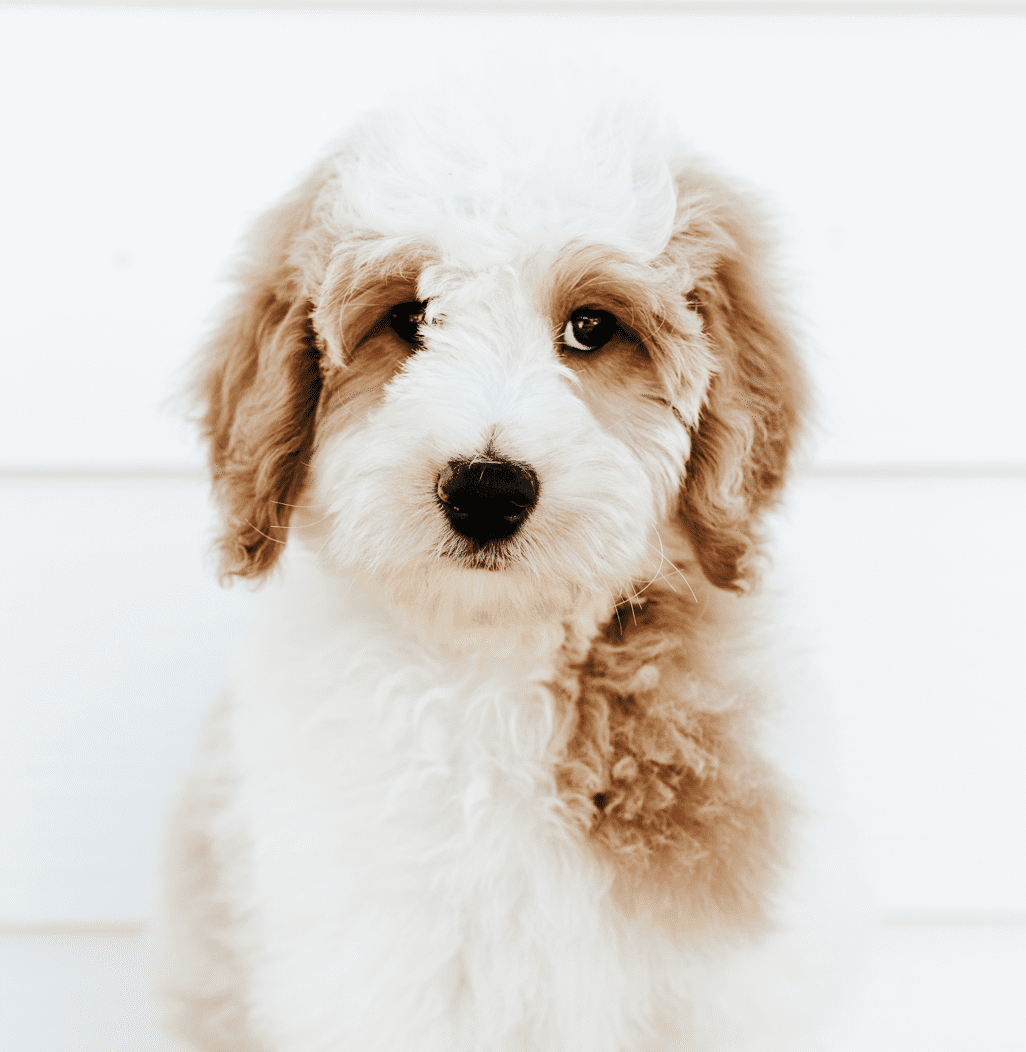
[
  {"x": 363, "y": 279},
  {"x": 754, "y": 408},
  {"x": 656, "y": 768},
  {"x": 649, "y": 299},
  {"x": 657, "y": 757},
  {"x": 259, "y": 383},
  {"x": 706, "y": 297},
  {"x": 660, "y": 767},
  {"x": 716, "y": 267}
]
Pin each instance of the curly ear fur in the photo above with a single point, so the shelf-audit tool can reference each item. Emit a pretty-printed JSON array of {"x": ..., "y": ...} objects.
[
  {"x": 753, "y": 410},
  {"x": 259, "y": 382}
]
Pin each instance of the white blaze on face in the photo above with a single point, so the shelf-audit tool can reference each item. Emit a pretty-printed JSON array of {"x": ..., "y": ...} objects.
[
  {"x": 487, "y": 376},
  {"x": 495, "y": 204}
]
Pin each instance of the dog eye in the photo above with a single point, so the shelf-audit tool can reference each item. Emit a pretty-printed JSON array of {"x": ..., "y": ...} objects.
[
  {"x": 405, "y": 320},
  {"x": 588, "y": 329}
]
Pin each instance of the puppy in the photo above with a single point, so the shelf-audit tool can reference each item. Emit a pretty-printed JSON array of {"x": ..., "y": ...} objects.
[{"x": 504, "y": 394}]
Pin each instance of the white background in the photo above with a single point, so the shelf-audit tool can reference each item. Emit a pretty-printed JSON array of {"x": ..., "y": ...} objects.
[{"x": 137, "y": 144}]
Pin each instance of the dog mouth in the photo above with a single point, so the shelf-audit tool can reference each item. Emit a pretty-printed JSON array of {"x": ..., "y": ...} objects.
[{"x": 494, "y": 556}]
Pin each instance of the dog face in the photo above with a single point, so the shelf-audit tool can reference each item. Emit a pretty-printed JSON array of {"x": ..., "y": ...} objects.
[{"x": 492, "y": 359}]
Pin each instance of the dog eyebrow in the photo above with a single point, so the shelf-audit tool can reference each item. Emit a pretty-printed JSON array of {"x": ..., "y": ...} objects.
[
  {"x": 367, "y": 276},
  {"x": 595, "y": 272},
  {"x": 644, "y": 297}
]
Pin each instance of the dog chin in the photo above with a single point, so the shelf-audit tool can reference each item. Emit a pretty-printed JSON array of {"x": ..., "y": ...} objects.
[{"x": 456, "y": 605}]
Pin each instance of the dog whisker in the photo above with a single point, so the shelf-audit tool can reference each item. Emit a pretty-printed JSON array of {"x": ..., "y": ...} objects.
[
  {"x": 303, "y": 525},
  {"x": 676, "y": 568},
  {"x": 667, "y": 403},
  {"x": 262, "y": 534}
]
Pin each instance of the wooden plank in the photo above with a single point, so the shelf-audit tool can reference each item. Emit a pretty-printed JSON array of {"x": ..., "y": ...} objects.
[
  {"x": 586, "y": 6},
  {"x": 936, "y": 989},
  {"x": 909, "y": 592},
  {"x": 147, "y": 139},
  {"x": 75, "y": 993},
  {"x": 117, "y": 639},
  {"x": 920, "y": 989}
]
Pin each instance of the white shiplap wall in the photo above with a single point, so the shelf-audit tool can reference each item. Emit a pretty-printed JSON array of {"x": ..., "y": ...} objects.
[{"x": 891, "y": 141}]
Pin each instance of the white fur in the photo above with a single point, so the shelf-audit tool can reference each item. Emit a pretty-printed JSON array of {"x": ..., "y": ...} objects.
[
  {"x": 409, "y": 879},
  {"x": 492, "y": 377},
  {"x": 413, "y": 884},
  {"x": 559, "y": 162}
]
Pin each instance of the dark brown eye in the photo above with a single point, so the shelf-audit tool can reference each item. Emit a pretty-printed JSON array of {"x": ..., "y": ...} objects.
[
  {"x": 588, "y": 329},
  {"x": 405, "y": 320}
]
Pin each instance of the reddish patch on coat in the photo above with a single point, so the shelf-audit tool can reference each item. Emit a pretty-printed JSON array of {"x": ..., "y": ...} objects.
[{"x": 660, "y": 769}]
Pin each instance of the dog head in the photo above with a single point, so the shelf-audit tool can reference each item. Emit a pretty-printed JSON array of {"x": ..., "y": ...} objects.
[{"x": 493, "y": 356}]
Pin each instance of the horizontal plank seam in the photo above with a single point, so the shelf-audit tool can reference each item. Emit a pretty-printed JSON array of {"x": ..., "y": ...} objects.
[
  {"x": 137, "y": 928},
  {"x": 1010, "y": 919},
  {"x": 912, "y": 471},
  {"x": 102, "y": 473},
  {"x": 64, "y": 928},
  {"x": 844, "y": 8},
  {"x": 172, "y": 473}
]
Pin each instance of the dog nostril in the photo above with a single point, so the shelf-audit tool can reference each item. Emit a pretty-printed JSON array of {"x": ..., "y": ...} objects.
[{"x": 486, "y": 500}]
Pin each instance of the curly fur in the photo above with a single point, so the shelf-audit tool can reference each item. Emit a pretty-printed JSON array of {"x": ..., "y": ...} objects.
[
  {"x": 660, "y": 766},
  {"x": 521, "y": 795},
  {"x": 311, "y": 286}
]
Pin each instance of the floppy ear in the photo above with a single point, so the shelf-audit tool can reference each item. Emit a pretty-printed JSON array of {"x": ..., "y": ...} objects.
[
  {"x": 259, "y": 384},
  {"x": 752, "y": 414}
]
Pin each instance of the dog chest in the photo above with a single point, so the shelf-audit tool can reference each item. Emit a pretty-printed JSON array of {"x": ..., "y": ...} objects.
[{"x": 409, "y": 847}]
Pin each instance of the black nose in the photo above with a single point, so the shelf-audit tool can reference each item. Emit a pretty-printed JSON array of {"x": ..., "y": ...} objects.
[{"x": 486, "y": 500}]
